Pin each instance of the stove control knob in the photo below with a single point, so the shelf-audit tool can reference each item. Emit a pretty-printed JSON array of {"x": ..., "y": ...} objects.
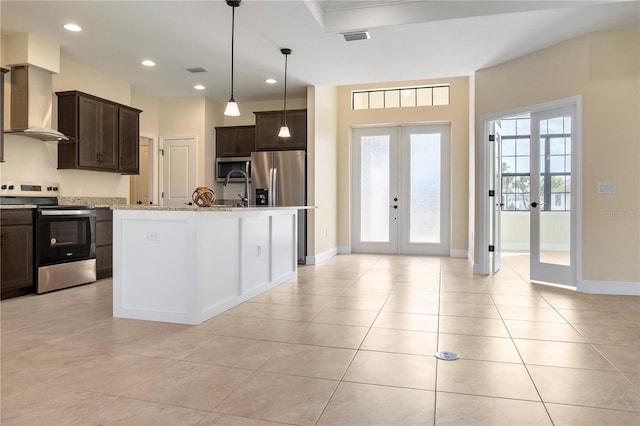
[
  {"x": 10, "y": 186},
  {"x": 55, "y": 188},
  {"x": 4, "y": 187},
  {"x": 49, "y": 188}
]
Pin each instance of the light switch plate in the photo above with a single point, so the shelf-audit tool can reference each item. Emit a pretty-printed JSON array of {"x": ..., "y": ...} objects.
[{"x": 606, "y": 187}]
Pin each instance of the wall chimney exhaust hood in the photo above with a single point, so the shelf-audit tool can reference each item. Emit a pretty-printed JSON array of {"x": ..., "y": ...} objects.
[{"x": 31, "y": 104}]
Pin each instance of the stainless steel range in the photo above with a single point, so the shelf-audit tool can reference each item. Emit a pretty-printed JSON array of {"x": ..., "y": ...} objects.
[{"x": 65, "y": 243}]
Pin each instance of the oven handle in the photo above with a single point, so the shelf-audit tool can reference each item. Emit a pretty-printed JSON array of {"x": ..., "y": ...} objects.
[{"x": 66, "y": 212}]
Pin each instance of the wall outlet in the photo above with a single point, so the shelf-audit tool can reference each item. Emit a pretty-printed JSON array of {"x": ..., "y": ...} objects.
[{"x": 153, "y": 236}]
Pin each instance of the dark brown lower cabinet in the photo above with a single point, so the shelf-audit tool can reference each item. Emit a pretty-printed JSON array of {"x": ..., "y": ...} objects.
[
  {"x": 16, "y": 252},
  {"x": 104, "y": 243}
]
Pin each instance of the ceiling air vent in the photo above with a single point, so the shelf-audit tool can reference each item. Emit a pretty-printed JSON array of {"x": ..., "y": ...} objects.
[
  {"x": 356, "y": 35},
  {"x": 197, "y": 70}
]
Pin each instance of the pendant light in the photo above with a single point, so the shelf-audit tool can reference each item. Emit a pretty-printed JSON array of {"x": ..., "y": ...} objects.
[
  {"x": 232, "y": 106},
  {"x": 284, "y": 130}
]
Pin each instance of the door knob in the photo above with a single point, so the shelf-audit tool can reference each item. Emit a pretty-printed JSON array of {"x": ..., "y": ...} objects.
[
  {"x": 395, "y": 207},
  {"x": 534, "y": 204},
  {"x": 395, "y": 199}
]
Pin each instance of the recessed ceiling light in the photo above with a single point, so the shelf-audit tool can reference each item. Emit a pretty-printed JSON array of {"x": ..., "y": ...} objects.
[
  {"x": 148, "y": 63},
  {"x": 72, "y": 27},
  {"x": 270, "y": 81},
  {"x": 198, "y": 87}
]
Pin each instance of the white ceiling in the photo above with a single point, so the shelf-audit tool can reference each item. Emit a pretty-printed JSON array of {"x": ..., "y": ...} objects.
[{"x": 409, "y": 39}]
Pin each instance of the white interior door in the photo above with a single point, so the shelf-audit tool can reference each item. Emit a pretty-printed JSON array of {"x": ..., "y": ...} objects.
[
  {"x": 495, "y": 196},
  {"x": 178, "y": 170},
  {"x": 400, "y": 192},
  {"x": 553, "y": 222}
]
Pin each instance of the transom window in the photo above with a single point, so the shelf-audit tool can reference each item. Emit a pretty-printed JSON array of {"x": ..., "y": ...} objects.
[{"x": 401, "y": 97}]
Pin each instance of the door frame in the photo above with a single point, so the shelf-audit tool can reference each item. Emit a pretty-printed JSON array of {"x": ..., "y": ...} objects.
[
  {"x": 159, "y": 154},
  {"x": 154, "y": 191},
  {"x": 482, "y": 265}
]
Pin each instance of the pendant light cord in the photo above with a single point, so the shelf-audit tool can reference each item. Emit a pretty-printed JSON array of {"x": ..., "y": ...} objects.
[
  {"x": 285, "y": 89},
  {"x": 233, "y": 26}
]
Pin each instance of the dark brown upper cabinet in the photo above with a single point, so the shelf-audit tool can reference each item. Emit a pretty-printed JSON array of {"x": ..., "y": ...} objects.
[
  {"x": 268, "y": 125},
  {"x": 235, "y": 141},
  {"x": 103, "y": 135}
]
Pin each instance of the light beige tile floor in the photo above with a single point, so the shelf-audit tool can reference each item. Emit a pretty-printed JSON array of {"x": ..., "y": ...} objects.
[{"x": 350, "y": 342}]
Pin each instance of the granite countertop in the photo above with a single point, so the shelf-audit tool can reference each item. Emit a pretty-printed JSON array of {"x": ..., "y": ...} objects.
[
  {"x": 92, "y": 201},
  {"x": 17, "y": 206},
  {"x": 75, "y": 201}
]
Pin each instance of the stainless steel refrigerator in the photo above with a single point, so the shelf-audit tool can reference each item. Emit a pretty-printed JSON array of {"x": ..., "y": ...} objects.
[{"x": 279, "y": 178}]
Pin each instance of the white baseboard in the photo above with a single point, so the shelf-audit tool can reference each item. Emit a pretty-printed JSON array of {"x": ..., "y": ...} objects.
[
  {"x": 344, "y": 250},
  {"x": 619, "y": 288},
  {"x": 314, "y": 260},
  {"x": 458, "y": 253}
]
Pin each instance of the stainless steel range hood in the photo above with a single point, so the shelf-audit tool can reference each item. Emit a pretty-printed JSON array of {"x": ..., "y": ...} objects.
[{"x": 31, "y": 93}]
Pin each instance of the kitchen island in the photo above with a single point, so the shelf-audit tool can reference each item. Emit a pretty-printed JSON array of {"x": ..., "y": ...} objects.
[{"x": 187, "y": 264}]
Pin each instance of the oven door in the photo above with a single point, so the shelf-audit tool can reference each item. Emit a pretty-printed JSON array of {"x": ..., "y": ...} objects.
[{"x": 65, "y": 235}]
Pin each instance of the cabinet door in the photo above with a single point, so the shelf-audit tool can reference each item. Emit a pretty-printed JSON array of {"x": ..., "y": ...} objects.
[
  {"x": 226, "y": 141},
  {"x": 104, "y": 243},
  {"x": 16, "y": 256},
  {"x": 267, "y": 127},
  {"x": 109, "y": 136},
  {"x": 88, "y": 132},
  {"x": 236, "y": 141},
  {"x": 297, "y": 122},
  {"x": 246, "y": 143},
  {"x": 129, "y": 129}
]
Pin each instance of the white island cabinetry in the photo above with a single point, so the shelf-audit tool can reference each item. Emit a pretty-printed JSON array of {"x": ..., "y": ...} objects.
[{"x": 185, "y": 265}]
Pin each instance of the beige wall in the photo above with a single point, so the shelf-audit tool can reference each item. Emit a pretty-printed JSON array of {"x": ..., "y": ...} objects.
[
  {"x": 322, "y": 170},
  {"x": 150, "y": 116},
  {"x": 457, "y": 113},
  {"x": 604, "y": 69}
]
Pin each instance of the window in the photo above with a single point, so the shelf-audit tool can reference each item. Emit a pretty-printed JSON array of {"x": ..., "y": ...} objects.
[
  {"x": 402, "y": 97},
  {"x": 516, "y": 177},
  {"x": 555, "y": 164}
]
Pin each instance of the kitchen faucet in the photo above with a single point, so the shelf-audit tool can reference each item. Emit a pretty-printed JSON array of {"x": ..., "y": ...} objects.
[{"x": 245, "y": 198}]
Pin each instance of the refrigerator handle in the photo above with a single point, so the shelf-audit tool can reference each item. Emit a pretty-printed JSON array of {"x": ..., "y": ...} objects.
[
  {"x": 274, "y": 187},
  {"x": 270, "y": 188}
]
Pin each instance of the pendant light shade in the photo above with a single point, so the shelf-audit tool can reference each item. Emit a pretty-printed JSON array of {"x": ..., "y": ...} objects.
[
  {"x": 232, "y": 106},
  {"x": 284, "y": 130}
]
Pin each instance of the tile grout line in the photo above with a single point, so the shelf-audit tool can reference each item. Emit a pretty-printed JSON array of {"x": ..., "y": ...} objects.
[{"x": 520, "y": 355}]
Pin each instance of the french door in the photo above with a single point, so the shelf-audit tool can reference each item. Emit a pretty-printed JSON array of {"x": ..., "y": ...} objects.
[
  {"x": 553, "y": 230},
  {"x": 400, "y": 196}
]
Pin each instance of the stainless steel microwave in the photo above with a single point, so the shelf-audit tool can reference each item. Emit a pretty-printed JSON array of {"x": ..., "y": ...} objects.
[{"x": 226, "y": 164}]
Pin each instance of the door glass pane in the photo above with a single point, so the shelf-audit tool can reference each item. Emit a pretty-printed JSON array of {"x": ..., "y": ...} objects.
[
  {"x": 555, "y": 191},
  {"x": 424, "y": 213},
  {"x": 374, "y": 188}
]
